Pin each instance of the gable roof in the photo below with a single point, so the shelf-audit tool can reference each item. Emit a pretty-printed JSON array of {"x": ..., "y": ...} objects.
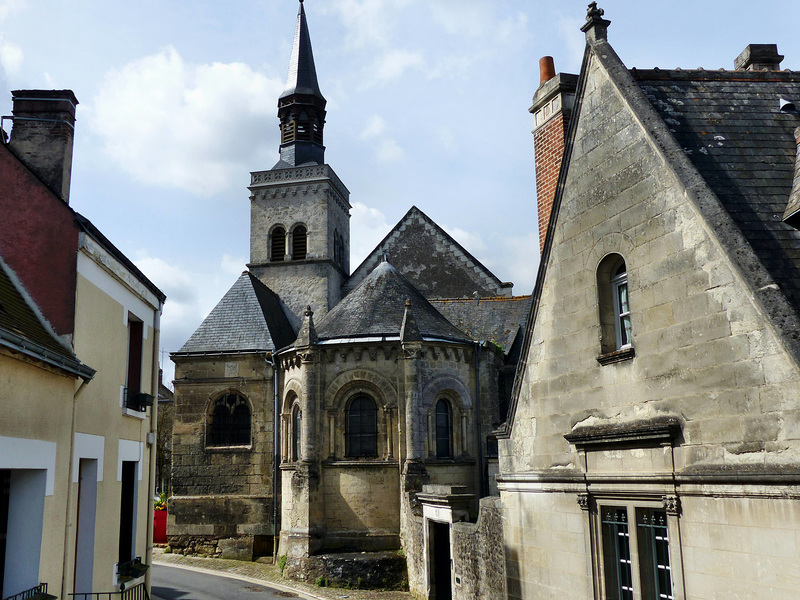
[
  {"x": 436, "y": 264},
  {"x": 498, "y": 320},
  {"x": 23, "y": 328},
  {"x": 249, "y": 318},
  {"x": 376, "y": 309},
  {"x": 730, "y": 126}
]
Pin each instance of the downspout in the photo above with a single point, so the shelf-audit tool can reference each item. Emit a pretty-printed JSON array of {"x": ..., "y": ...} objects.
[
  {"x": 67, "y": 526},
  {"x": 482, "y": 475},
  {"x": 152, "y": 435},
  {"x": 276, "y": 438}
]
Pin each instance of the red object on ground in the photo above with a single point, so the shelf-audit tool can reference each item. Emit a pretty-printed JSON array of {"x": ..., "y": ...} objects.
[{"x": 160, "y": 526}]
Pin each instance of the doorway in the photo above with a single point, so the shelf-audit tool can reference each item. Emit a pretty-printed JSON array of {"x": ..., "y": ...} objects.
[
  {"x": 440, "y": 561},
  {"x": 87, "y": 510}
]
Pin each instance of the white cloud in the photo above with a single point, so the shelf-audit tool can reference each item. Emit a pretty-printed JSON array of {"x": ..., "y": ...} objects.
[
  {"x": 375, "y": 127},
  {"x": 368, "y": 227},
  {"x": 10, "y": 7},
  {"x": 234, "y": 265},
  {"x": 368, "y": 22},
  {"x": 10, "y": 56},
  {"x": 393, "y": 64},
  {"x": 187, "y": 126},
  {"x": 520, "y": 257},
  {"x": 389, "y": 151}
]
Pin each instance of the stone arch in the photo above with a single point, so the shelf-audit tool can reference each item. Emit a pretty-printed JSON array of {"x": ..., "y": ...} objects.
[
  {"x": 611, "y": 243},
  {"x": 348, "y": 383},
  {"x": 276, "y": 238},
  {"x": 291, "y": 390},
  {"x": 446, "y": 385}
]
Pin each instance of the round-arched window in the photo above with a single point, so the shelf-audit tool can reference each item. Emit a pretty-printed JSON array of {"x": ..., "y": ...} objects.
[
  {"x": 361, "y": 434},
  {"x": 230, "y": 422}
]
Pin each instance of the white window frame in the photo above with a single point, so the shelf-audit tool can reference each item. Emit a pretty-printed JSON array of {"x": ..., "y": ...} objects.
[{"x": 619, "y": 282}]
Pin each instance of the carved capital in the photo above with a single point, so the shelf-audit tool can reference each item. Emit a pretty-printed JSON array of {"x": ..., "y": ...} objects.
[{"x": 671, "y": 504}]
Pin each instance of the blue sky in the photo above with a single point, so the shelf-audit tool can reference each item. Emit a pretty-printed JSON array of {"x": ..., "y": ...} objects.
[{"x": 427, "y": 106}]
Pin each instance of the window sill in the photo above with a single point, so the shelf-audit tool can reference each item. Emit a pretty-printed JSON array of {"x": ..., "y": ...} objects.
[
  {"x": 136, "y": 414},
  {"x": 245, "y": 448},
  {"x": 621, "y": 355},
  {"x": 461, "y": 460},
  {"x": 359, "y": 462}
]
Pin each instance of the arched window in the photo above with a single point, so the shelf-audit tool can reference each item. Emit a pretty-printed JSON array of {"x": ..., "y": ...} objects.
[
  {"x": 299, "y": 243},
  {"x": 230, "y": 422},
  {"x": 361, "y": 434},
  {"x": 614, "y": 308},
  {"x": 296, "y": 429},
  {"x": 444, "y": 430},
  {"x": 278, "y": 246}
]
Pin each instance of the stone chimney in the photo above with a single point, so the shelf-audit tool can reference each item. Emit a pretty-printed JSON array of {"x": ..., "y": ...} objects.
[
  {"x": 552, "y": 107},
  {"x": 759, "y": 57},
  {"x": 42, "y": 135}
]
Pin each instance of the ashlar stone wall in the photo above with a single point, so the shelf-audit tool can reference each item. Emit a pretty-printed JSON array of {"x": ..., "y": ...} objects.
[{"x": 220, "y": 493}]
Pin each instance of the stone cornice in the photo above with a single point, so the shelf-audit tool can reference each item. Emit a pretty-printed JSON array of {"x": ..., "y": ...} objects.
[{"x": 283, "y": 180}]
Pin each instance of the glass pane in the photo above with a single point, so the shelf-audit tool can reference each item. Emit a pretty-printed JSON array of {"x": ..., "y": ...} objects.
[
  {"x": 616, "y": 553},
  {"x": 625, "y": 330},
  {"x": 442, "y": 430},
  {"x": 654, "y": 565},
  {"x": 362, "y": 427},
  {"x": 622, "y": 296}
]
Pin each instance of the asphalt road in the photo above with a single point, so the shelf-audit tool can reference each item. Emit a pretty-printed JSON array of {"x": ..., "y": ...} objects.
[{"x": 170, "y": 583}]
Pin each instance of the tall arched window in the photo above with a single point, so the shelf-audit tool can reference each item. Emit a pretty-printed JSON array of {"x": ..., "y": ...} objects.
[
  {"x": 296, "y": 429},
  {"x": 299, "y": 243},
  {"x": 444, "y": 430},
  {"x": 361, "y": 434},
  {"x": 278, "y": 245},
  {"x": 230, "y": 422},
  {"x": 614, "y": 308}
]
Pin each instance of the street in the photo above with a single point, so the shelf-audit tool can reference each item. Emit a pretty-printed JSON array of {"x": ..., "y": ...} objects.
[{"x": 170, "y": 583}]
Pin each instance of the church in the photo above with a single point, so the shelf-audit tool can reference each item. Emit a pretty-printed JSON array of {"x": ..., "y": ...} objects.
[{"x": 314, "y": 402}]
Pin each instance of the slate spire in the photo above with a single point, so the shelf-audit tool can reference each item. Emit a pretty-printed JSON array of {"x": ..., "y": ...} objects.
[{"x": 301, "y": 106}]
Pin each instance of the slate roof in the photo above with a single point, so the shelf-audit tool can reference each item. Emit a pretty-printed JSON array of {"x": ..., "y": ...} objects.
[
  {"x": 249, "y": 318},
  {"x": 498, "y": 320},
  {"x": 302, "y": 78},
  {"x": 436, "y": 264},
  {"x": 730, "y": 126},
  {"x": 24, "y": 329},
  {"x": 376, "y": 309}
]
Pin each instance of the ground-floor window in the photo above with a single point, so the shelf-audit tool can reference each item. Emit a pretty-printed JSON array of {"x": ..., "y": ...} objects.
[{"x": 635, "y": 554}]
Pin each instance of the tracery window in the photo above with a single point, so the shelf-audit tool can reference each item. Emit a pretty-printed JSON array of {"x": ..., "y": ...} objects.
[
  {"x": 444, "y": 430},
  {"x": 230, "y": 422},
  {"x": 361, "y": 433}
]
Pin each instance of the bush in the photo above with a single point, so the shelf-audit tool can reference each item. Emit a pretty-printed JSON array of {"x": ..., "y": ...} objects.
[
  {"x": 282, "y": 563},
  {"x": 321, "y": 581}
]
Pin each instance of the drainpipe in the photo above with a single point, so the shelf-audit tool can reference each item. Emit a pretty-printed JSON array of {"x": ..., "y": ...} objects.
[
  {"x": 482, "y": 476},
  {"x": 152, "y": 435},
  {"x": 276, "y": 438}
]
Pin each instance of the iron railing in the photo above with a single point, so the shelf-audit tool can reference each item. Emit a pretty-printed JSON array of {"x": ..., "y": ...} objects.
[
  {"x": 136, "y": 592},
  {"x": 137, "y": 401},
  {"x": 36, "y": 593}
]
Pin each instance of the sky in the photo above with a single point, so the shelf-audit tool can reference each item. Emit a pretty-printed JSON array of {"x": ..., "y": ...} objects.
[{"x": 427, "y": 105}]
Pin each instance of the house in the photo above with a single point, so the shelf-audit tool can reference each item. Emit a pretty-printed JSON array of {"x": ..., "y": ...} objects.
[
  {"x": 79, "y": 325},
  {"x": 338, "y": 393},
  {"x": 652, "y": 447}
]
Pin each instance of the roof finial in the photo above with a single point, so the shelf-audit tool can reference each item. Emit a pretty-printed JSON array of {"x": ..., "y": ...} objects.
[{"x": 595, "y": 26}]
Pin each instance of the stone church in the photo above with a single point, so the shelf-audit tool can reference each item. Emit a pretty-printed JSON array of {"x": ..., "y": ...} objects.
[{"x": 314, "y": 402}]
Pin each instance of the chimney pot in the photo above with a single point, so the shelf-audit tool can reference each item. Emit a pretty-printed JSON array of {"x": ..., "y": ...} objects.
[
  {"x": 547, "y": 69},
  {"x": 43, "y": 134}
]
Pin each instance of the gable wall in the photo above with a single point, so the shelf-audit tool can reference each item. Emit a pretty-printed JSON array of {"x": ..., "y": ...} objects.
[{"x": 704, "y": 353}]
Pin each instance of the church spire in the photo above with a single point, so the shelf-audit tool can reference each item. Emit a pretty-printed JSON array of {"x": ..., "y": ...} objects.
[{"x": 301, "y": 106}]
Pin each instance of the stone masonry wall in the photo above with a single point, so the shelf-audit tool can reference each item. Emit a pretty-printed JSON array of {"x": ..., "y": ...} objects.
[
  {"x": 478, "y": 555},
  {"x": 220, "y": 493}
]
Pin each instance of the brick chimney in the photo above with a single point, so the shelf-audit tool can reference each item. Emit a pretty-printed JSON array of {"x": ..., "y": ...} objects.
[
  {"x": 759, "y": 57},
  {"x": 552, "y": 107},
  {"x": 42, "y": 135}
]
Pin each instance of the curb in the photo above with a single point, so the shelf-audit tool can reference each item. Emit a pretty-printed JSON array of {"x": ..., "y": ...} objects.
[{"x": 262, "y": 582}]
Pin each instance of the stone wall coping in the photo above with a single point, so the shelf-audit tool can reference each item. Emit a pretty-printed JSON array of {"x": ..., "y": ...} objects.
[
  {"x": 359, "y": 463},
  {"x": 656, "y": 430}
]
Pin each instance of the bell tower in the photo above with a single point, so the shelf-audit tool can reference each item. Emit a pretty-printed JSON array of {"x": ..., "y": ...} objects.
[{"x": 300, "y": 210}]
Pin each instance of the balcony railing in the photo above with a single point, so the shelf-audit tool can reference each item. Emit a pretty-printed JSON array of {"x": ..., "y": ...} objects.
[
  {"x": 137, "y": 401},
  {"x": 136, "y": 592},
  {"x": 37, "y": 593}
]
